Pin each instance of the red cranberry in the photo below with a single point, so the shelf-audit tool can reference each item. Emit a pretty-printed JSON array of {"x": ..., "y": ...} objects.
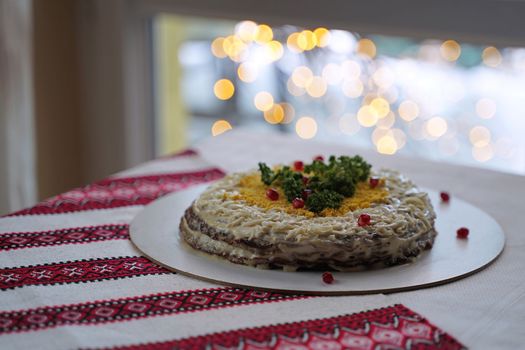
[
  {"x": 462, "y": 232},
  {"x": 319, "y": 158},
  {"x": 445, "y": 197},
  {"x": 272, "y": 194},
  {"x": 364, "y": 220},
  {"x": 298, "y": 165},
  {"x": 374, "y": 182},
  {"x": 307, "y": 192},
  {"x": 328, "y": 278},
  {"x": 305, "y": 180},
  {"x": 298, "y": 203}
]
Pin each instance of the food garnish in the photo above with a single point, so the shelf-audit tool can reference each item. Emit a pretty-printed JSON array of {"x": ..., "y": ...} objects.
[
  {"x": 328, "y": 278},
  {"x": 364, "y": 220},
  {"x": 272, "y": 194},
  {"x": 321, "y": 184},
  {"x": 462, "y": 232}
]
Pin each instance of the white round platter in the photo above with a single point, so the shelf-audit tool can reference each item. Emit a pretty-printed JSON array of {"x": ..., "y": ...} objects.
[{"x": 155, "y": 231}]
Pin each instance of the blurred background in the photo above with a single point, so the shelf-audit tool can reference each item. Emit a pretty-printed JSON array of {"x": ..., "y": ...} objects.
[
  {"x": 115, "y": 83},
  {"x": 438, "y": 99}
]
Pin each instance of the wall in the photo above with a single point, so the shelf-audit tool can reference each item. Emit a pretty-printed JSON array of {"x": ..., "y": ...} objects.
[{"x": 56, "y": 95}]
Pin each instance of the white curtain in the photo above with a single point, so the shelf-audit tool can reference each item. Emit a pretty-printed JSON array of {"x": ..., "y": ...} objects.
[{"x": 17, "y": 155}]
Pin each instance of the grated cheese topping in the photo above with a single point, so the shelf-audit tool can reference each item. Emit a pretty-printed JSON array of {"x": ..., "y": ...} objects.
[
  {"x": 253, "y": 191},
  {"x": 406, "y": 212}
]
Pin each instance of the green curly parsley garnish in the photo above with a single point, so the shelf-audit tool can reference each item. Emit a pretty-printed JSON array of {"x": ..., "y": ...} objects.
[
  {"x": 318, "y": 201},
  {"x": 267, "y": 174},
  {"x": 290, "y": 181},
  {"x": 329, "y": 182}
]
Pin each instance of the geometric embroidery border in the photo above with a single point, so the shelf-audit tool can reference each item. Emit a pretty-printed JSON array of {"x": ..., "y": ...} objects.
[
  {"x": 135, "y": 307},
  {"x": 393, "y": 327},
  {"x": 114, "y": 193},
  {"x": 86, "y": 270},
  {"x": 21, "y": 240}
]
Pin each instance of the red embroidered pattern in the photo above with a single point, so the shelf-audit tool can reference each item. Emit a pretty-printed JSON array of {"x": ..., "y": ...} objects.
[
  {"x": 133, "y": 308},
  {"x": 78, "y": 271},
  {"x": 394, "y": 327},
  {"x": 21, "y": 240},
  {"x": 114, "y": 193}
]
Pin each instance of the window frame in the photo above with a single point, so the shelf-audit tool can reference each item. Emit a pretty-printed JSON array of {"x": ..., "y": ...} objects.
[{"x": 123, "y": 28}]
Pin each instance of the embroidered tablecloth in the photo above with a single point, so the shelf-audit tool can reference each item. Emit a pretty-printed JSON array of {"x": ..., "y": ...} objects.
[{"x": 70, "y": 277}]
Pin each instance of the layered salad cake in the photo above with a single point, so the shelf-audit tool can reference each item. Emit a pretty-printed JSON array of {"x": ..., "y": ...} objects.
[{"x": 337, "y": 214}]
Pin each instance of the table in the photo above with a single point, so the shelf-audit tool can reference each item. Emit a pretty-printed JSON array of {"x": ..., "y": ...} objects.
[{"x": 70, "y": 277}]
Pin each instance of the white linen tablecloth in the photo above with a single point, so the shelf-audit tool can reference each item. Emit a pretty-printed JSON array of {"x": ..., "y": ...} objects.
[
  {"x": 70, "y": 278},
  {"x": 483, "y": 311}
]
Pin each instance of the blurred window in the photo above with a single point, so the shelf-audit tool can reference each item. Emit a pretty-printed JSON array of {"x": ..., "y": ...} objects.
[{"x": 444, "y": 100}]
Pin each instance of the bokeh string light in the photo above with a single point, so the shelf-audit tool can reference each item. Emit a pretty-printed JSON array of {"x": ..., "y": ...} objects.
[
  {"x": 436, "y": 127},
  {"x": 289, "y": 113},
  {"x": 293, "y": 44},
  {"x": 322, "y": 36},
  {"x": 263, "y": 101},
  {"x": 223, "y": 89},
  {"x": 263, "y": 34},
  {"x": 317, "y": 87},
  {"x": 307, "y": 40},
  {"x": 248, "y": 72},
  {"x": 275, "y": 114},
  {"x": 302, "y": 76},
  {"x": 306, "y": 127},
  {"x": 485, "y": 108},
  {"x": 366, "y": 116},
  {"x": 367, "y": 48},
  {"x": 217, "y": 48},
  {"x": 491, "y": 57},
  {"x": 479, "y": 136},
  {"x": 380, "y": 107},
  {"x": 344, "y": 84},
  {"x": 220, "y": 126},
  {"x": 450, "y": 50},
  {"x": 408, "y": 110},
  {"x": 246, "y": 31}
]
